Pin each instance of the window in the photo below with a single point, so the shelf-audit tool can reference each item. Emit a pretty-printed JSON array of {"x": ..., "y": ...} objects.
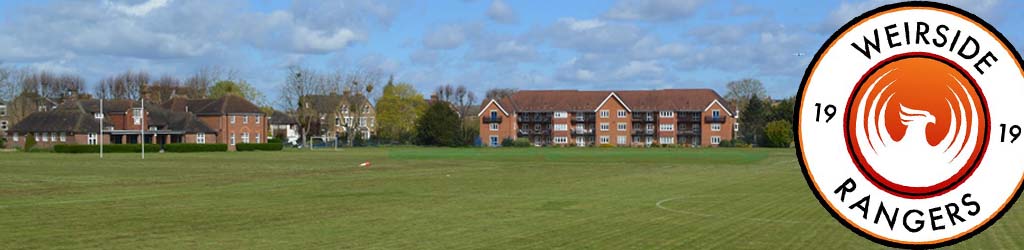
[
  {"x": 44, "y": 137},
  {"x": 716, "y": 127},
  {"x": 200, "y": 138},
  {"x": 715, "y": 113},
  {"x": 561, "y": 140},
  {"x": 245, "y": 137},
  {"x": 736, "y": 126},
  {"x": 97, "y": 115},
  {"x": 15, "y": 137},
  {"x": 337, "y": 121},
  {"x": 232, "y": 119},
  {"x": 494, "y": 114},
  {"x": 245, "y": 119},
  {"x": 604, "y": 126},
  {"x": 53, "y": 137},
  {"x": 667, "y": 140},
  {"x": 348, "y": 120},
  {"x": 257, "y": 119},
  {"x": 362, "y": 121},
  {"x": 3, "y": 110},
  {"x": 153, "y": 128},
  {"x": 715, "y": 140},
  {"x": 91, "y": 140},
  {"x": 63, "y": 137},
  {"x": 622, "y": 126},
  {"x": 366, "y": 109},
  {"x": 561, "y": 127},
  {"x": 604, "y": 139},
  {"x": 232, "y": 138},
  {"x": 561, "y": 114},
  {"x": 621, "y": 114},
  {"x": 494, "y": 127},
  {"x": 3, "y": 125},
  {"x": 604, "y": 113},
  {"x": 667, "y": 127},
  {"x": 650, "y": 127},
  {"x": 137, "y": 116},
  {"x": 666, "y": 114},
  {"x": 621, "y": 140},
  {"x": 257, "y": 138},
  {"x": 494, "y": 141},
  {"x": 579, "y": 126}
]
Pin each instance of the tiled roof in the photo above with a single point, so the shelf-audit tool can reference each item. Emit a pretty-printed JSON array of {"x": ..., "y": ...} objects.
[
  {"x": 58, "y": 121},
  {"x": 637, "y": 100},
  {"x": 229, "y": 104},
  {"x": 280, "y": 118},
  {"x": 78, "y": 117}
]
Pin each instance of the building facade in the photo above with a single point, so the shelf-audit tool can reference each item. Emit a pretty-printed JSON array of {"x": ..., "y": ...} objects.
[
  {"x": 336, "y": 115},
  {"x": 233, "y": 118},
  {"x": 691, "y": 117}
]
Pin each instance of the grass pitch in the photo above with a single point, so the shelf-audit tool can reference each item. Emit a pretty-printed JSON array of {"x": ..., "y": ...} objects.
[{"x": 427, "y": 198}]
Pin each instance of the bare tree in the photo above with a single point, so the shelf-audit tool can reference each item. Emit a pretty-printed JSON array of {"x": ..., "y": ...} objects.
[
  {"x": 498, "y": 93},
  {"x": 8, "y": 87},
  {"x": 463, "y": 101},
  {"x": 198, "y": 85},
  {"x": 48, "y": 84},
  {"x": 164, "y": 89},
  {"x": 127, "y": 85},
  {"x": 299, "y": 83}
]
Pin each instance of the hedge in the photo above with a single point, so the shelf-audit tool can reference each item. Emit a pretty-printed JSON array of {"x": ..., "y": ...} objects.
[
  {"x": 113, "y": 148},
  {"x": 259, "y": 147},
  {"x": 188, "y": 148}
]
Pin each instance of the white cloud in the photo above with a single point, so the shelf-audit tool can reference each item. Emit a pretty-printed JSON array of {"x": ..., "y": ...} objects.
[
  {"x": 450, "y": 36},
  {"x": 308, "y": 40},
  {"x": 653, "y": 10},
  {"x": 500, "y": 12},
  {"x": 138, "y": 9}
]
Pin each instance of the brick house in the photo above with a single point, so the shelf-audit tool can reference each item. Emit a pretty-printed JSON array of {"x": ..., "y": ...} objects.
[
  {"x": 692, "y": 117},
  {"x": 78, "y": 122},
  {"x": 233, "y": 119},
  {"x": 337, "y": 114}
]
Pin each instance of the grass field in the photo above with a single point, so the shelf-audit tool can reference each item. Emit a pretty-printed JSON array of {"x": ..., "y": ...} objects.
[{"x": 425, "y": 198}]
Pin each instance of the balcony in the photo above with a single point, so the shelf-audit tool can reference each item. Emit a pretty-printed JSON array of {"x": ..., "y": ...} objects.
[
  {"x": 523, "y": 119},
  {"x": 524, "y": 132},
  {"x": 583, "y": 131},
  {"x": 541, "y": 119},
  {"x": 689, "y": 132},
  {"x": 583, "y": 119},
  {"x": 714, "y": 119},
  {"x": 495, "y": 119}
]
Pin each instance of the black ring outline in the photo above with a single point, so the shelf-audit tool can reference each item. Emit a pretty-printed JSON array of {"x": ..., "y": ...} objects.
[{"x": 799, "y": 102}]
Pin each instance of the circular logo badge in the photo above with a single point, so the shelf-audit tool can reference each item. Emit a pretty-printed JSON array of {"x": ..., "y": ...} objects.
[{"x": 909, "y": 125}]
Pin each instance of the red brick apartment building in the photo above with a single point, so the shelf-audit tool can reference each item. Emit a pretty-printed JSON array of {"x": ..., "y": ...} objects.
[{"x": 692, "y": 117}]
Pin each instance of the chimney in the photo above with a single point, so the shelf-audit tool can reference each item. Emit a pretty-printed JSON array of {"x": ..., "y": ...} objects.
[{"x": 433, "y": 97}]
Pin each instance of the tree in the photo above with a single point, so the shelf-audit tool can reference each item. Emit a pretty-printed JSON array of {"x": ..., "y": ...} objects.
[
  {"x": 439, "y": 126},
  {"x": 397, "y": 110},
  {"x": 8, "y": 88},
  {"x": 498, "y": 93},
  {"x": 241, "y": 88},
  {"x": 301, "y": 82},
  {"x": 163, "y": 89},
  {"x": 740, "y": 92},
  {"x": 753, "y": 119},
  {"x": 48, "y": 84},
  {"x": 127, "y": 85},
  {"x": 464, "y": 102},
  {"x": 784, "y": 109},
  {"x": 779, "y": 133}
]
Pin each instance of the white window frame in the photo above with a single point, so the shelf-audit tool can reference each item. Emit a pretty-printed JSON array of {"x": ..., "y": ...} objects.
[
  {"x": 715, "y": 113},
  {"x": 44, "y": 138},
  {"x": 579, "y": 126},
  {"x": 665, "y": 140},
  {"x": 232, "y": 119},
  {"x": 97, "y": 115},
  {"x": 561, "y": 114},
  {"x": 245, "y": 137},
  {"x": 621, "y": 140},
  {"x": 736, "y": 126},
  {"x": 494, "y": 141},
  {"x": 15, "y": 137},
  {"x": 257, "y": 138},
  {"x": 621, "y": 126},
  {"x": 91, "y": 139},
  {"x": 621, "y": 113},
  {"x": 561, "y": 127},
  {"x": 63, "y": 137},
  {"x": 245, "y": 119},
  {"x": 715, "y": 140},
  {"x": 604, "y": 139},
  {"x": 666, "y": 114},
  {"x": 667, "y": 127},
  {"x": 716, "y": 127},
  {"x": 604, "y": 113},
  {"x": 3, "y": 110},
  {"x": 137, "y": 116},
  {"x": 605, "y": 126},
  {"x": 201, "y": 138},
  {"x": 561, "y": 140},
  {"x": 257, "y": 119},
  {"x": 53, "y": 137},
  {"x": 494, "y": 127},
  {"x": 3, "y": 125},
  {"x": 232, "y": 138}
]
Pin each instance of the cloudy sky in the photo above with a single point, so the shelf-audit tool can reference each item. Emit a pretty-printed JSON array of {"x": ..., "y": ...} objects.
[{"x": 593, "y": 44}]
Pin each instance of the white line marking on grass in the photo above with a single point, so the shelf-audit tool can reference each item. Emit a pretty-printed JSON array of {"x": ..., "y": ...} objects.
[{"x": 660, "y": 205}]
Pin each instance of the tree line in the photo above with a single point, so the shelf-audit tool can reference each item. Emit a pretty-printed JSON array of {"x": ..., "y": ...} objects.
[{"x": 764, "y": 122}]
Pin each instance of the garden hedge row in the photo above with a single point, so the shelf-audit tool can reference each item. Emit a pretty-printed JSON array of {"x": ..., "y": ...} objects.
[
  {"x": 113, "y": 148},
  {"x": 259, "y": 146},
  {"x": 189, "y": 148}
]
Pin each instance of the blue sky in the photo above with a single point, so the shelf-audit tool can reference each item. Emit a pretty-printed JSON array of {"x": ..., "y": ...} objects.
[{"x": 602, "y": 44}]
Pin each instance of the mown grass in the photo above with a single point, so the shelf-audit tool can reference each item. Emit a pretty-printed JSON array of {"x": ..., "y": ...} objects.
[{"x": 426, "y": 198}]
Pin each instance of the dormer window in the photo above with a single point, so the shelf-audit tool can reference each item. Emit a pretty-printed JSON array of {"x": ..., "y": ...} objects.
[
  {"x": 137, "y": 116},
  {"x": 98, "y": 115},
  {"x": 715, "y": 113},
  {"x": 3, "y": 110}
]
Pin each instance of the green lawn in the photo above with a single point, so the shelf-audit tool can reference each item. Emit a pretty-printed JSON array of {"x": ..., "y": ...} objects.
[{"x": 423, "y": 198}]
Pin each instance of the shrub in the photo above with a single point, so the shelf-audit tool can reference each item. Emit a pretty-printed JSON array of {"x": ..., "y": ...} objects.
[
  {"x": 522, "y": 143},
  {"x": 507, "y": 142},
  {"x": 275, "y": 140},
  {"x": 606, "y": 146},
  {"x": 726, "y": 144},
  {"x": 114, "y": 148},
  {"x": 258, "y": 147},
  {"x": 30, "y": 142},
  {"x": 779, "y": 133},
  {"x": 188, "y": 148}
]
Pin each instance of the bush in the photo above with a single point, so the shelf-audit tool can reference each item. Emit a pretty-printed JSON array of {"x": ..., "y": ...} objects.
[
  {"x": 779, "y": 133},
  {"x": 30, "y": 142},
  {"x": 114, "y": 148},
  {"x": 507, "y": 142},
  {"x": 259, "y": 147},
  {"x": 275, "y": 140},
  {"x": 188, "y": 148},
  {"x": 726, "y": 144},
  {"x": 522, "y": 143}
]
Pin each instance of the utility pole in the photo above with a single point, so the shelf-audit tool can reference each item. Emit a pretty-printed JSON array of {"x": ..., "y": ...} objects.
[
  {"x": 142, "y": 129},
  {"x": 102, "y": 115}
]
